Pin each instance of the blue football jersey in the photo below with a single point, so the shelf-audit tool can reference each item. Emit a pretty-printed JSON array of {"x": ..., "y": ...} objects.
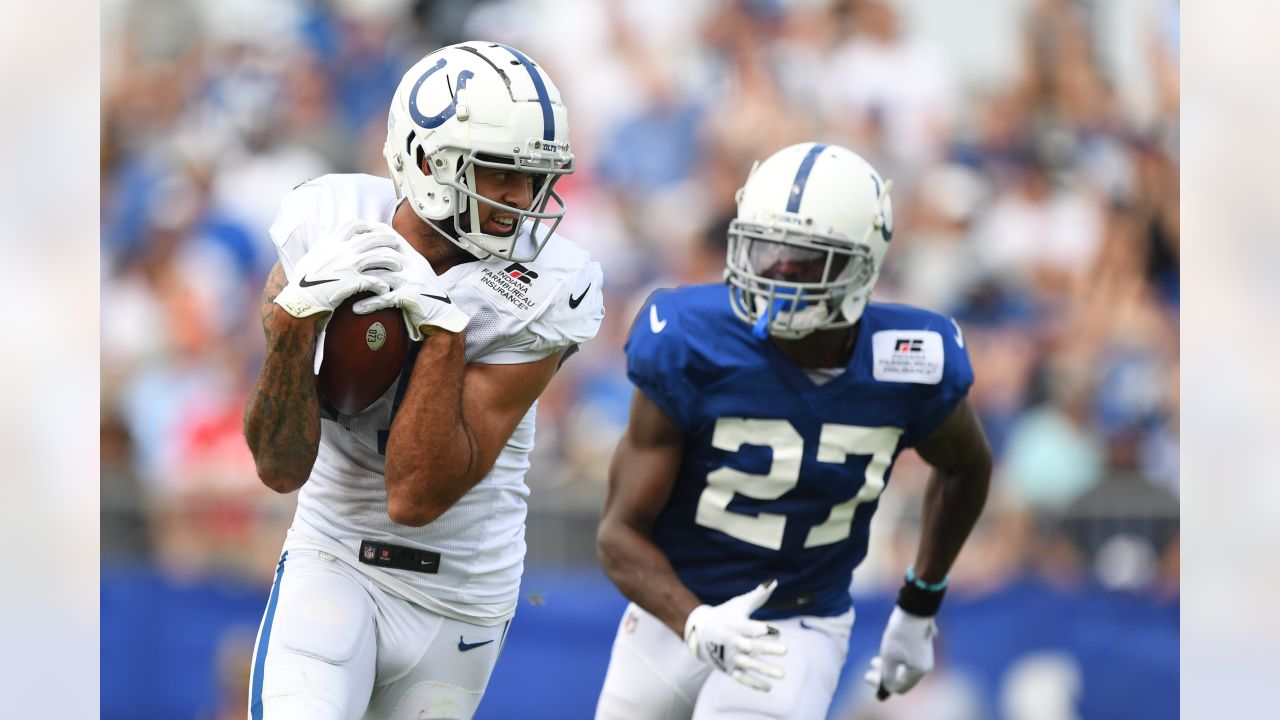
[{"x": 781, "y": 475}]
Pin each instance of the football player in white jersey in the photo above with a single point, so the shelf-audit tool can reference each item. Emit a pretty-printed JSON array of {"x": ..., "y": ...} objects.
[
  {"x": 400, "y": 573},
  {"x": 766, "y": 420}
]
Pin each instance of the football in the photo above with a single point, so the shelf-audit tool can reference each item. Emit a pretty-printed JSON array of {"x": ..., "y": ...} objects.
[{"x": 363, "y": 355}]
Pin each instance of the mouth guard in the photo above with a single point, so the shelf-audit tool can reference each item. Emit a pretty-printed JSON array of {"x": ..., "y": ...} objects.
[{"x": 761, "y": 329}]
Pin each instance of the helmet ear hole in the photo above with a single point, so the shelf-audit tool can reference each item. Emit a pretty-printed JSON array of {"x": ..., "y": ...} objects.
[{"x": 466, "y": 175}]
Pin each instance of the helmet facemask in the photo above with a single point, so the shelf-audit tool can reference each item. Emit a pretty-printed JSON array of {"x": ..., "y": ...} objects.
[{"x": 457, "y": 217}]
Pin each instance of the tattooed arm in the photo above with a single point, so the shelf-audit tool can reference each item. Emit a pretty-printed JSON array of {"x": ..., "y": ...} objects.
[{"x": 282, "y": 417}]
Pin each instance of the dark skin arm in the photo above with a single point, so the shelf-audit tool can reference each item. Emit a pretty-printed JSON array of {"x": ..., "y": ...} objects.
[
  {"x": 452, "y": 424},
  {"x": 282, "y": 416},
  {"x": 641, "y": 476},
  {"x": 957, "y": 490}
]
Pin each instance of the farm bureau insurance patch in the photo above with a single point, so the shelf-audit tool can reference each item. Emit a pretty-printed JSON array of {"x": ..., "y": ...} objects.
[{"x": 914, "y": 356}]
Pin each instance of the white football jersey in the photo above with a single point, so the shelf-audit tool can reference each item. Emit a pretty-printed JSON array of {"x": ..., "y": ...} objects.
[{"x": 520, "y": 312}]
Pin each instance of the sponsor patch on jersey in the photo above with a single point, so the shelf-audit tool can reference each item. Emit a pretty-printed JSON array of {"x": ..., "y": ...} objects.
[
  {"x": 914, "y": 356},
  {"x": 514, "y": 282}
]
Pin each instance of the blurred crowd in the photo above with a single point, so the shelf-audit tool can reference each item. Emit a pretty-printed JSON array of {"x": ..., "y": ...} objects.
[{"x": 1033, "y": 146}]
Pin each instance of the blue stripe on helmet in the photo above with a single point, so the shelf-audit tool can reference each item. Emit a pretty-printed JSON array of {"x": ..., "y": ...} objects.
[
  {"x": 548, "y": 123},
  {"x": 802, "y": 176},
  {"x": 260, "y": 660}
]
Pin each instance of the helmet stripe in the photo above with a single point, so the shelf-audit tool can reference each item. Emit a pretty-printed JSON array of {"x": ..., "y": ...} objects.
[
  {"x": 802, "y": 176},
  {"x": 548, "y": 123}
]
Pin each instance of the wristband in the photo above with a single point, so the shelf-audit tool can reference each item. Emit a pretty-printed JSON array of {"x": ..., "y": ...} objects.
[
  {"x": 919, "y": 597},
  {"x": 928, "y": 587}
]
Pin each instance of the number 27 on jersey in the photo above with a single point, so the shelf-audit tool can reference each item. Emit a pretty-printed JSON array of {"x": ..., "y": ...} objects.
[{"x": 835, "y": 444}]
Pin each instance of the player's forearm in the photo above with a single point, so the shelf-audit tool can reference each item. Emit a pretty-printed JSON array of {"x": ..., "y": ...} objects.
[
  {"x": 644, "y": 575},
  {"x": 431, "y": 453},
  {"x": 953, "y": 501},
  {"x": 282, "y": 416}
]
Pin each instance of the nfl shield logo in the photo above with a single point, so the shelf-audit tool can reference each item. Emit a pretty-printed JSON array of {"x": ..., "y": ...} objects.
[{"x": 368, "y": 553}]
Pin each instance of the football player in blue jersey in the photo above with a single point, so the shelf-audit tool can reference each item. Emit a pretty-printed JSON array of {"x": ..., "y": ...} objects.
[{"x": 767, "y": 417}]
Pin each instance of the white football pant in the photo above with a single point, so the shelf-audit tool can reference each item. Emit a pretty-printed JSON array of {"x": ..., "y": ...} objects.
[
  {"x": 333, "y": 645},
  {"x": 653, "y": 676}
]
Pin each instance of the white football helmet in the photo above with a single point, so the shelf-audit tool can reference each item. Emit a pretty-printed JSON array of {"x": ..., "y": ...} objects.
[
  {"x": 478, "y": 104},
  {"x": 814, "y": 222}
]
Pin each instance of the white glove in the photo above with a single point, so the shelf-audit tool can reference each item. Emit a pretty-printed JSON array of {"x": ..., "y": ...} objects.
[
  {"x": 415, "y": 289},
  {"x": 725, "y": 637},
  {"x": 906, "y": 653},
  {"x": 336, "y": 269}
]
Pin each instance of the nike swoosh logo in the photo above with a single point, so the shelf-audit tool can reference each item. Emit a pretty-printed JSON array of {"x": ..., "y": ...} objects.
[
  {"x": 308, "y": 283},
  {"x": 656, "y": 324},
  {"x": 806, "y": 626},
  {"x": 464, "y": 646},
  {"x": 959, "y": 334},
  {"x": 441, "y": 298},
  {"x": 574, "y": 302}
]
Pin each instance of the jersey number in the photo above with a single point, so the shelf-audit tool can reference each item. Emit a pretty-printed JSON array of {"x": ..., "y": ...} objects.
[{"x": 835, "y": 444}]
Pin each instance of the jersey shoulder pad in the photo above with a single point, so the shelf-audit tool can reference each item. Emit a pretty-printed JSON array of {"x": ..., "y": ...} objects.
[
  {"x": 925, "y": 349},
  {"x": 555, "y": 301},
  {"x": 311, "y": 210},
  {"x": 662, "y": 348},
  {"x": 915, "y": 345}
]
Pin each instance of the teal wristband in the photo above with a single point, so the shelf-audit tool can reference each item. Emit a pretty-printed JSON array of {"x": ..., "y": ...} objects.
[{"x": 927, "y": 587}]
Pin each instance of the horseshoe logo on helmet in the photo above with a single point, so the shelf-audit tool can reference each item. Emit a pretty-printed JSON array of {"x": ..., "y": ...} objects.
[{"x": 434, "y": 121}]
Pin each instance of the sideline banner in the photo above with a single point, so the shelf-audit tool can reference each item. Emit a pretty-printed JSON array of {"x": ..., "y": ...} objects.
[{"x": 170, "y": 649}]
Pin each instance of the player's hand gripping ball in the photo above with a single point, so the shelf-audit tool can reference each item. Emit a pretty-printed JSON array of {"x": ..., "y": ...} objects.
[{"x": 363, "y": 355}]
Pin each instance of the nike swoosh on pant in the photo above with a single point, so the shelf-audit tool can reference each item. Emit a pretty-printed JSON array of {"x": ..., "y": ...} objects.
[{"x": 464, "y": 646}]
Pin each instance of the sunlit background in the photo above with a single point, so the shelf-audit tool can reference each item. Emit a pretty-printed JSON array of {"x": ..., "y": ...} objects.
[{"x": 1034, "y": 146}]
